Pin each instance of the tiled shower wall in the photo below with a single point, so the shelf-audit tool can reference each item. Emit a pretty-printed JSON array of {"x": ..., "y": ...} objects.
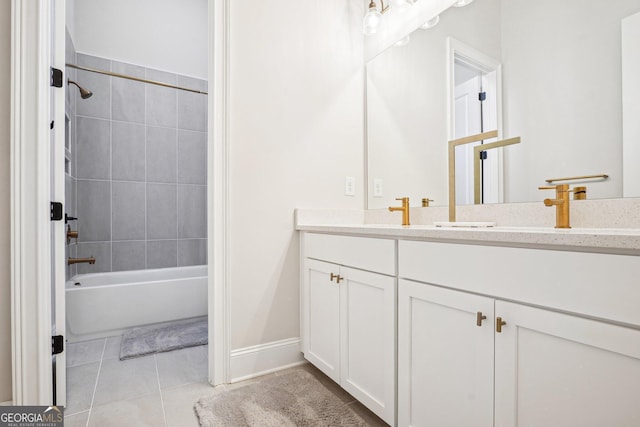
[{"x": 140, "y": 169}]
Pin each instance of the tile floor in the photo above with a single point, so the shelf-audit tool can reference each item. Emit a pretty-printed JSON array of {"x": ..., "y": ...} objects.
[{"x": 157, "y": 390}]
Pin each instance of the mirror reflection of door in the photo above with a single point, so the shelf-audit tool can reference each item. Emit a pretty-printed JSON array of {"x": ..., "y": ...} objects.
[{"x": 475, "y": 111}]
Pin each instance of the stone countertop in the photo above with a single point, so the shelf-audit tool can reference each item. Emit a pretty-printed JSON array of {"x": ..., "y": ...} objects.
[{"x": 625, "y": 241}]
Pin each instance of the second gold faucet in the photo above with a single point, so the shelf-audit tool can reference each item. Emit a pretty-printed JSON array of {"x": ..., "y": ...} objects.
[{"x": 404, "y": 209}]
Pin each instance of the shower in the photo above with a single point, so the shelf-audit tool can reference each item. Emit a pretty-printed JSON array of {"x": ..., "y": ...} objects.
[{"x": 84, "y": 93}]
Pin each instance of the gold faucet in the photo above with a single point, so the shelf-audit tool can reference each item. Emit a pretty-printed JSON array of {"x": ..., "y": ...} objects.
[
  {"x": 404, "y": 208},
  {"x": 561, "y": 202},
  {"x": 90, "y": 260},
  {"x": 425, "y": 202},
  {"x": 71, "y": 234}
]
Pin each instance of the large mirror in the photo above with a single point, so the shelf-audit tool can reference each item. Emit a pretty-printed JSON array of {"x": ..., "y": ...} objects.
[{"x": 562, "y": 72}]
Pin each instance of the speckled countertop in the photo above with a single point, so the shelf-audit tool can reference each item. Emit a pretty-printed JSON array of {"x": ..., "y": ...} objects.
[{"x": 619, "y": 240}]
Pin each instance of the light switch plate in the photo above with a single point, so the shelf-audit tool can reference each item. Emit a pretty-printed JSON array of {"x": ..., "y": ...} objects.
[{"x": 349, "y": 186}]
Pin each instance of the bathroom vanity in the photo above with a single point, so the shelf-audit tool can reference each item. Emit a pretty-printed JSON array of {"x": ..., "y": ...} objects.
[{"x": 505, "y": 326}]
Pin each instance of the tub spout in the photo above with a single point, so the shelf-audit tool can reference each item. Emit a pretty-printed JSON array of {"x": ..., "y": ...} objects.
[{"x": 90, "y": 260}]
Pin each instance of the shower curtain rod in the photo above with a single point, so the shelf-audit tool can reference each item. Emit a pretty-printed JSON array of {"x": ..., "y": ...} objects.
[{"x": 124, "y": 76}]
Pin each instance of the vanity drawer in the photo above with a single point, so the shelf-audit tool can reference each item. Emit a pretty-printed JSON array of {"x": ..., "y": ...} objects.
[
  {"x": 604, "y": 286},
  {"x": 365, "y": 253}
]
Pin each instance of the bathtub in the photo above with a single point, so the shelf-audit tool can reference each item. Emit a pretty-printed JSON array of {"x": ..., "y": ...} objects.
[{"x": 105, "y": 304}]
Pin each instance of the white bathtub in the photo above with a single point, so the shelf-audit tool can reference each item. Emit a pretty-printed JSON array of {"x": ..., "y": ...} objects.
[{"x": 105, "y": 304}]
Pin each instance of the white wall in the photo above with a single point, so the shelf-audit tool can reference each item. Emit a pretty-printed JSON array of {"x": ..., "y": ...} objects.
[
  {"x": 169, "y": 35},
  {"x": 296, "y": 130},
  {"x": 5, "y": 253}
]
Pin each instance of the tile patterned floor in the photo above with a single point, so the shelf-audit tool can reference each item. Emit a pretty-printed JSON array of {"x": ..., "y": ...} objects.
[{"x": 157, "y": 390}]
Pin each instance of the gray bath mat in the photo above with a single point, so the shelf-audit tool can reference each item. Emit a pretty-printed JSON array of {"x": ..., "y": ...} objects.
[
  {"x": 158, "y": 338},
  {"x": 292, "y": 399}
]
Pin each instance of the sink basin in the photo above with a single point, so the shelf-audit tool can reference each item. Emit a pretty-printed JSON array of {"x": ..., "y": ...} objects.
[{"x": 472, "y": 224}]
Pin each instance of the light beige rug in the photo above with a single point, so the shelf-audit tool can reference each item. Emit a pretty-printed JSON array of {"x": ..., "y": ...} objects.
[{"x": 288, "y": 400}]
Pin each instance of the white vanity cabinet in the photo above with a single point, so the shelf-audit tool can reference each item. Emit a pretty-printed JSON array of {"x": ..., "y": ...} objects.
[
  {"x": 543, "y": 367},
  {"x": 445, "y": 357},
  {"x": 348, "y": 315}
]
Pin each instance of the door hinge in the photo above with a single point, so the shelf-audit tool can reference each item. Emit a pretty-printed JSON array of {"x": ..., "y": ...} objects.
[
  {"x": 56, "y": 77},
  {"x": 483, "y": 155},
  {"x": 57, "y": 344},
  {"x": 482, "y": 96},
  {"x": 56, "y": 211}
]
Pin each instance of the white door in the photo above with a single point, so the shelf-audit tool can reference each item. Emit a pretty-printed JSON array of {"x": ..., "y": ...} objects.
[
  {"x": 322, "y": 346},
  {"x": 367, "y": 320},
  {"x": 563, "y": 370},
  {"x": 445, "y": 360},
  {"x": 476, "y": 110},
  {"x": 58, "y": 240},
  {"x": 467, "y": 121}
]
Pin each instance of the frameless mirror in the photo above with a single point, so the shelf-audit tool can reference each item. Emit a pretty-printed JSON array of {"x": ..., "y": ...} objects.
[{"x": 562, "y": 71}]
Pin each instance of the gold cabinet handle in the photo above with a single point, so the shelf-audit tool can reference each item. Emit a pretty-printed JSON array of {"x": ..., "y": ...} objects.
[
  {"x": 334, "y": 276},
  {"x": 499, "y": 324},
  {"x": 479, "y": 318},
  {"x": 339, "y": 278}
]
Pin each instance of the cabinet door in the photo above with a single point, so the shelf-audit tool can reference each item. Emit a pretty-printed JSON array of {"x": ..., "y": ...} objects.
[
  {"x": 563, "y": 370},
  {"x": 445, "y": 361},
  {"x": 368, "y": 340},
  {"x": 322, "y": 312}
]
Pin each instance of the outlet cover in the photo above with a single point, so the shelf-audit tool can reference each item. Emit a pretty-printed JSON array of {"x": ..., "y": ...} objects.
[
  {"x": 349, "y": 186},
  {"x": 377, "y": 187}
]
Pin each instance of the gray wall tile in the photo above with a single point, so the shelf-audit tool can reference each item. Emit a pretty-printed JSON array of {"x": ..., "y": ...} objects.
[
  {"x": 101, "y": 251},
  {"x": 128, "y": 255},
  {"x": 99, "y": 105},
  {"x": 128, "y": 152},
  {"x": 192, "y": 111},
  {"x": 128, "y": 96},
  {"x": 192, "y": 83},
  {"x": 192, "y": 252},
  {"x": 138, "y": 146},
  {"x": 94, "y": 148},
  {"x": 128, "y": 210},
  {"x": 161, "y": 101},
  {"x": 70, "y": 197},
  {"x": 192, "y": 212},
  {"x": 161, "y": 154},
  {"x": 192, "y": 157},
  {"x": 94, "y": 210},
  {"x": 161, "y": 211},
  {"x": 162, "y": 253}
]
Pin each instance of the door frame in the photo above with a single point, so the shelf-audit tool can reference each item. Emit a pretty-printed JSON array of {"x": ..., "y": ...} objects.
[
  {"x": 481, "y": 61},
  {"x": 31, "y": 31}
]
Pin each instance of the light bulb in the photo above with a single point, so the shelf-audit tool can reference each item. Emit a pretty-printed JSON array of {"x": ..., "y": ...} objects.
[
  {"x": 430, "y": 23},
  {"x": 371, "y": 20},
  {"x": 402, "y": 5}
]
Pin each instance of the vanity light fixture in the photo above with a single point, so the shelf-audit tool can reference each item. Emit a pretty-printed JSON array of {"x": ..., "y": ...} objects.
[
  {"x": 430, "y": 23},
  {"x": 373, "y": 17}
]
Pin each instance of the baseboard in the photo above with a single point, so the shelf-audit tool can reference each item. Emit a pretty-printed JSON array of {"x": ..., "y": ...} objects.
[
  {"x": 7, "y": 403},
  {"x": 263, "y": 359}
]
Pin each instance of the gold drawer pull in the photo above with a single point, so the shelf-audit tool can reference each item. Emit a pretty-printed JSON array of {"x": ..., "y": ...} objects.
[
  {"x": 334, "y": 276},
  {"x": 499, "y": 324},
  {"x": 479, "y": 318}
]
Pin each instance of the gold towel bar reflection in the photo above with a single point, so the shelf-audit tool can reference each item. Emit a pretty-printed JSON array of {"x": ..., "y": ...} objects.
[
  {"x": 572, "y": 178},
  {"x": 124, "y": 76}
]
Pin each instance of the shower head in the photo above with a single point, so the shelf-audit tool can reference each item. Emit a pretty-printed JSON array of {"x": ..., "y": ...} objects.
[{"x": 84, "y": 93}]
